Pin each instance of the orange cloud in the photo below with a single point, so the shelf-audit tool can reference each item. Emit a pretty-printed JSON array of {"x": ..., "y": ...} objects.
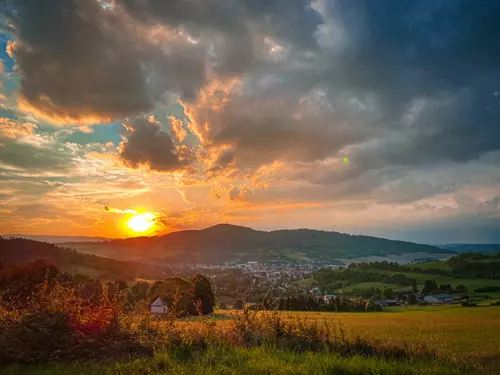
[
  {"x": 177, "y": 130},
  {"x": 10, "y": 48},
  {"x": 48, "y": 111},
  {"x": 119, "y": 211},
  {"x": 14, "y": 130},
  {"x": 213, "y": 97}
]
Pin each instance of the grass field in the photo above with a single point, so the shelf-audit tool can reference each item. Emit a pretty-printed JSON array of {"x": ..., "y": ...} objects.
[
  {"x": 452, "y": 330},
  {"x": 258, "y": 361},
  {"x": 466, "y": 340},
  {"x": 305, "y": 282},
  {"x": 367, "y": 285}
]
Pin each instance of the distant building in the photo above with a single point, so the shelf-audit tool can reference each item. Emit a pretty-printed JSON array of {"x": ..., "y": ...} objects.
[
  {"x": 439, "y": 298},
  {"x": 159, "y": 307}
]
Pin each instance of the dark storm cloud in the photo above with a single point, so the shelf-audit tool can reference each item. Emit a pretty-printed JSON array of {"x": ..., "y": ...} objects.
[
  {"x": 417, "y": 79},
  {"x": 148, "y": 145},
  {"x": 291, "y": 22},
  {"x": 442, "y": 52},
  {"x": 408, "y": 84},
  {"x": 79, "y": 60}
]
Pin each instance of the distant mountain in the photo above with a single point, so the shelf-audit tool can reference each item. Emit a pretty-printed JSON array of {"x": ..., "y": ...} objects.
[
  {"x": 474, "y": 248},
  {"x": 225, "y": 242},
  {"x": 55, "y": 239}
]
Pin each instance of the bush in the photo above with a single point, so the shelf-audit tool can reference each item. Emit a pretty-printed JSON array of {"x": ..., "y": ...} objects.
[
  {"x": 50, "y": 336},
  {"x": 239, "y": 304},
  {"x": 469, "y": 304},
  {"x": 495, "y": 303},
  {"x": 488, "y": 289},
  {"x": 33, "y": 338}
]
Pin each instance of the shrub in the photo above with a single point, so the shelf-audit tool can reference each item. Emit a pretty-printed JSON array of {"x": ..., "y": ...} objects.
[
  {"x": 239, "y": 304},
  {"x": 488, "y": 289}
]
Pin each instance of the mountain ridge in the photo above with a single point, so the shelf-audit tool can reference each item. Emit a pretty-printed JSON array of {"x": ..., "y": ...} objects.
[{"x": 226, "y": 242}]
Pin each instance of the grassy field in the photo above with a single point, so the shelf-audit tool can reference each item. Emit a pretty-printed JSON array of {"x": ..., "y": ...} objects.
[
  {"x": 265, "y": 361},
  {"x": 466, "y": 340},
  {"x": 367, "y": 285},
  {"x": 452, "y": 330},
  {"x": 305, "y": 282}
]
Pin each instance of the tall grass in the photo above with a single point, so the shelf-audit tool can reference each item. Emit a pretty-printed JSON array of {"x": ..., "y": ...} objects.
[{"x": 57, "y": 325}]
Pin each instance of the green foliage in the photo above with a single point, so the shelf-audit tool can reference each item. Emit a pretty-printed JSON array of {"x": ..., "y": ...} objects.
[
  {"x": 203, "y": 299},
  {"x": 328, "y": 278},
  {"x": 430, "y": 287},
  {"x": 388, "y": 293},
  {"x": 140, "y": 290},
  {"x": 461, "y": 289},
  {"x": 487, "y": 289},
  {"x": 445, "y": 288},
  {"x": 263, "y": 360}
]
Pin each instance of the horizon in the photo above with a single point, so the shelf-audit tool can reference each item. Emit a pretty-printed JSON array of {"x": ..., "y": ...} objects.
[
  {"x": 120, "y": 121},
  {"x": 13, "y": 235}
]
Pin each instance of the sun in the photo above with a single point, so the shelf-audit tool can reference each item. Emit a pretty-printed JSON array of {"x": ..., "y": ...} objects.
[{"x": 142, "y": 222}]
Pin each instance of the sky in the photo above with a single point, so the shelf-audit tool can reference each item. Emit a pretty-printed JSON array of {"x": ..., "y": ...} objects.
[{"x": 367, "y": 117}]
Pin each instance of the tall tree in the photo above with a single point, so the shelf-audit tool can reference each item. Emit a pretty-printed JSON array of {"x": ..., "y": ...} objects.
[{"x": 429, "y": 287}]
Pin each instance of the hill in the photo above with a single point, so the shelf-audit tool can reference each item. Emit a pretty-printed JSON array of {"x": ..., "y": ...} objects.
[
  {"x": 224, "y": 242},
  {"x": 474, "y": 248},
  {"x": 55, "y": 239},
  {"x": 18, "y": 251}
]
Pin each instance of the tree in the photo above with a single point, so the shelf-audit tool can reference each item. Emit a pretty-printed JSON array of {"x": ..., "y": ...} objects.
[
  {"x": 140, "y": 290},
  {"x": 156, "y": 291},
  {"x": 412, "y": 299},
  {"x": 461, "y": 289},
  {"x": 414, "y": 287},
  {"x": 445, "y": 288},
  {"x": 203, "y": 295},
  {"x": 388, "y": 293},
  {"x": 429, "y": 287}
]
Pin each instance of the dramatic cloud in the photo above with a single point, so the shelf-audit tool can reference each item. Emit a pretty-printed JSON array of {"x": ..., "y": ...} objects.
[
  {"x": 82, "y": 62},
  {"x": 148, "y": 145},
  {"x": 256, "y": 104}
]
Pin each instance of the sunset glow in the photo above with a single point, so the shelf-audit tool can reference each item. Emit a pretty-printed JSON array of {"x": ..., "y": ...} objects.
[
  {"x": 142, "y": 223},
  {"x": 270, "y": 115}
]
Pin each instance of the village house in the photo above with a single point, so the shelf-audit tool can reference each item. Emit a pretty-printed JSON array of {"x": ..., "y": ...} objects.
[
  {"x": 159, "y": 306},
  {"x": 439, "y": 298}
]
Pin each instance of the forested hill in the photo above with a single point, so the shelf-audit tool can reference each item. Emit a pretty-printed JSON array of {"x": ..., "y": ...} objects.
[
  {"x": 225, "y": 242},
  {"x": 18, "y": 251},
  {"x": 473, "y": 248}
]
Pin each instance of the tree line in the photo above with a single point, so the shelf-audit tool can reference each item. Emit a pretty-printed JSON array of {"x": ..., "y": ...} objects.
[{"x": 189, "y": 296}]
